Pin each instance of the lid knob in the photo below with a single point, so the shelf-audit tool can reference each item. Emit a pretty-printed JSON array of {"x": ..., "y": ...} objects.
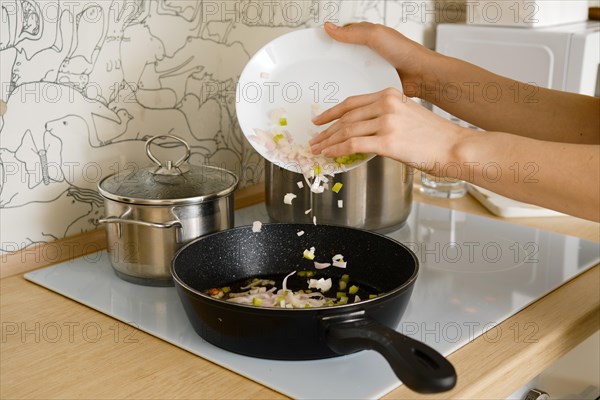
[{"x": 169, "y": 167}]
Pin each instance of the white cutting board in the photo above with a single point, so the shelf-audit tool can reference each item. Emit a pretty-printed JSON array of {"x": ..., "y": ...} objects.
[{"x": 508, "y": 208}]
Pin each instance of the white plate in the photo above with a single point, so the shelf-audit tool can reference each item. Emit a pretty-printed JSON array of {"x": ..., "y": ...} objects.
[{"x": 302, "y": 71}]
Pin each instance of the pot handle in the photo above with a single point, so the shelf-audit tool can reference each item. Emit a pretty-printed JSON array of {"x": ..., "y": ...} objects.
[
  {"x": 418, "y": 366},
  {"x": 169, "y": 167},
  {"x": 161, "y": 225}
]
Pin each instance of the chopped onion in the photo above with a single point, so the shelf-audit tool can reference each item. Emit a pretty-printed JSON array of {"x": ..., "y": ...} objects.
[
  {"x": 340, "y": 203},
  {"x": 339, "y": 264},
  {"x": 337, "y": 257},
  {"x": 284, "y": 283},
  {"x": 315, "y": 220},
  {"x": 300, "y": 184},
  {"x": 321, "y": 284},
  {"x": 300, "y": 233},
  {"x": 319, "y": 265},
  {"x": 256, "y": 226},
  {"x": 287, "y": 199},
  {"x": 308, "y": 211}
]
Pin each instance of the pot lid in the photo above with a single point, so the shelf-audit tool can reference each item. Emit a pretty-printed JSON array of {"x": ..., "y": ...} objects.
[{"x": 168, "y": 183}]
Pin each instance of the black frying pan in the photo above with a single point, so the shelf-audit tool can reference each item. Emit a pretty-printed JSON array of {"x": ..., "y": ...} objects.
[{"x": 375, "y": 260}]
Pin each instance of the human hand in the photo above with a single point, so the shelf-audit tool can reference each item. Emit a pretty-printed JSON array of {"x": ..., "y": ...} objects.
[
  {"x": 409, "y": 58},
  {"x": 389, "y": 124}
]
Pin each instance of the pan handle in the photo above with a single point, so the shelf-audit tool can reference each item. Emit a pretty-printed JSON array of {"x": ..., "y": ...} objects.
[{"x": 417, "y": 365}]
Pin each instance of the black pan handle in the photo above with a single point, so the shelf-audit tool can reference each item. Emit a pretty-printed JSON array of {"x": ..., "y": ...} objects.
[{"x": 417, "y": 365}]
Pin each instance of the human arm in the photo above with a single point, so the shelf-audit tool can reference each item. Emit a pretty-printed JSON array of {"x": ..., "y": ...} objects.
[
  {"x": 487, "y": 100},
  {"x": 560, "y": 176}
]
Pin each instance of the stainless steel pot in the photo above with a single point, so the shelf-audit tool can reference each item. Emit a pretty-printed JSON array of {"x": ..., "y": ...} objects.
[
  {"x": 375, "y": 196},
  {"x": 152, "y": 212}
]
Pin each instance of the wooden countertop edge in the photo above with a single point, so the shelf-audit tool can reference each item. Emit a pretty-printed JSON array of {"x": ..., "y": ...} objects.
[
  {"x": 44, "y": 254},
  {"x": 496, "y": 364}
]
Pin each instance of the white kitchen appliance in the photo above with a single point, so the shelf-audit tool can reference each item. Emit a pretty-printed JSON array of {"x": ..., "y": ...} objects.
[
  {"x": 565, "y": 57},
  {"x": 526, "y": 13}
]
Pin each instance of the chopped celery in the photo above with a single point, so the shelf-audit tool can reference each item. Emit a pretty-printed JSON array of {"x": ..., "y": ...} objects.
[
  {"x": 337, "y": 187},
  {"x": 278, "y": 137},
  {"x": 301, "y": 274},
  {"x": 343, "y": 285},
  {"x": 343, "y": 300},
  {"x": 226, "y": 289},
  {"x": 283, "y": 121},
  {"x": 257, "y": 302},
  {"x": 345, "y": 277},
  {"x": 339, "y": 295},
  {"x": 310, "y": 274},
  {"x": 317, "y": 170},
  {"x": 353, "y": 289},
  {"x": 300, "y": 291},
  {"x": 372, "y": 296},
  {"x": 309, "y": 255},
  {"x": 350, "y": 159}
]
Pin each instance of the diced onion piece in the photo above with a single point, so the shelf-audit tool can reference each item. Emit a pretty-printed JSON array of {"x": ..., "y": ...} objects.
[
  {"x": 300, "y": 233},
  {"x": 315, "y": 220},
  {"x": 287, "y": 199},
  {"x": 308, "y": 254},
  {"x": 300, "y": 184},
  {"x": 337, "y": 257},
  {"x": 340, "y": 203},
  {"x": 339, "y": 264},
  {"x": 320, "y": 284},
  {"x": 284, "y": 283},
  {"x": 256, "y": 226},
  {"x": 319, "y": 265},
  {"x": 356, "y": 299},
  {"x": 308, "y": 211},
  {"x": 337, "y": 187}
]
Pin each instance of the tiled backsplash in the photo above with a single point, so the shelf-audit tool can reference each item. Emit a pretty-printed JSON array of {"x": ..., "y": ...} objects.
[{"x": 86, "y": 82}]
